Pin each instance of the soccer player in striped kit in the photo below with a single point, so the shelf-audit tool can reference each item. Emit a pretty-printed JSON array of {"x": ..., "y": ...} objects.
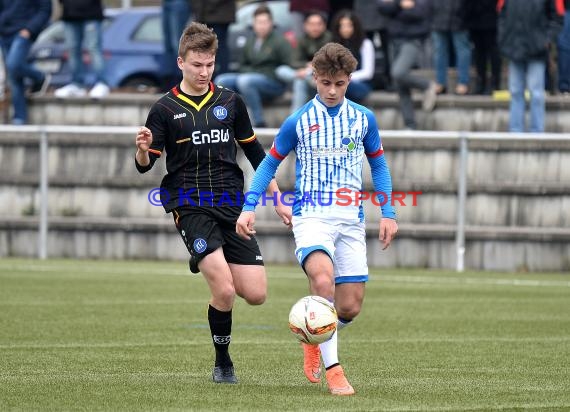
[{"x": 330, "y": 135}]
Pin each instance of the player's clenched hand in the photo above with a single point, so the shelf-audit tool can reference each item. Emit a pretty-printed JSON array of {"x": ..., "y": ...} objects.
[
  {"x": 144, "y": 139},
  {"x": 388, "y": 229},
  {"x": 244, "y": 225}
]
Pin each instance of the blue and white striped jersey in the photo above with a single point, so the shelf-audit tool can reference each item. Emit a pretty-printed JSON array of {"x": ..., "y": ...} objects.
[{"x": 330, "y": 144}]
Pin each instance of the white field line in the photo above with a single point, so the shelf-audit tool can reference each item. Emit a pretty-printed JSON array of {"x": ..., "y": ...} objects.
[
  {"x": 283, "y": 342},
  {"x": 483, "y": 407},
  {"x": 91, "y": 374},
  {"x": 103, "y": 302},
  {"x": 298, "y": 275},
  {"x": 473, "y": 281}
]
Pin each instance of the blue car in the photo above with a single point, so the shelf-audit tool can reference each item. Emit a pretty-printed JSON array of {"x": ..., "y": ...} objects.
[{"x": 132, "y": 49}]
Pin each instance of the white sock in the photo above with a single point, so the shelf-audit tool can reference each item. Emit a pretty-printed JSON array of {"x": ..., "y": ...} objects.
[
  {"x": 329, "y": 351},
  {"x": 342, "y": 324}
]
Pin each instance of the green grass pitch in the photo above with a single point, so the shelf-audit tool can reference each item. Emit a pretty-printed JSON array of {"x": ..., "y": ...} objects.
[{"x": 133, "y": 336}]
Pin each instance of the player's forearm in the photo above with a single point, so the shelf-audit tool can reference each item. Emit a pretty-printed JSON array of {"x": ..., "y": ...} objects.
[
  {"x": 142, "y": 157},
  {"x": 273, "y": 187},
  {"x": 383, "y": 185},
  {"x": 261, "y": 180}
]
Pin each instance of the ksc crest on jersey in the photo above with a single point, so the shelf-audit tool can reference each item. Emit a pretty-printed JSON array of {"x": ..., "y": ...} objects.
[
  {"x": 200, "y": 245},
  {"x": 220, "y": 112}
]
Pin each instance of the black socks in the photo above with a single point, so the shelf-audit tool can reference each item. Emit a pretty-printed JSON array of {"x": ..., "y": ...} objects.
[{"x": 221, "y": 329}]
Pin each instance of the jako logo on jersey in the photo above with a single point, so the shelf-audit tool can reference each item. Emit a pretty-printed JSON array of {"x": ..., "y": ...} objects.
[
  {"x": 349, "y": 143},
  {"x": 200, "y": 245},
  {"x": 220, "y": 112},
  {"x": 179, "y": 115},
  {"x": 314, "y": 128},
  {"x": 214, "y": 136}
]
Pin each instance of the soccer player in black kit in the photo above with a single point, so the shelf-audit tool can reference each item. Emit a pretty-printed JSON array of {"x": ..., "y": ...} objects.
[{"x": 197, "y": 125}]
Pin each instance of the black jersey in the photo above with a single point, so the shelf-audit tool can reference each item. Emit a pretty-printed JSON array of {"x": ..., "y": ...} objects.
[{"x": 199, "y": 135}]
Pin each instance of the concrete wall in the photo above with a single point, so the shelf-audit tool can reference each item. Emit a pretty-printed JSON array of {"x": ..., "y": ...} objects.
[
  {"x": 474, "y": 113},
  {"x": 517, "y": 216}
]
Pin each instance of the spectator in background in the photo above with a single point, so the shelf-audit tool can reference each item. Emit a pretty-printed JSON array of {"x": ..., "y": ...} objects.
[
  {"x": 448, "y": 25},
  {"x": 262, "y": 54},
  {"x": 564, "y": 50},
  {"x": 374, "y": 26},
  {"x": 82, "y": 21},
  {"x": 347, "y": 30},
  {"x": 527, "y": 28},
  {"x": 408, "y": 27},
  {"x": 2, "y": 77},
  {"x": 300, "y": 74},
  {"x": 481, "y": 21},
  {"x": 299, "y": 10},
  {"x": 217, "y": 14},
  {"x": 20, "y": 23},
  {"x": 338, "y": 5},
  {"x": 175, "y": 16}
]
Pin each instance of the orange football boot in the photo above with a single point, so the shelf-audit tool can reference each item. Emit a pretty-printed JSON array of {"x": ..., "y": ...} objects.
[
  {"x": 312, "y": 362},
  {"x": 338, "y": 385}
]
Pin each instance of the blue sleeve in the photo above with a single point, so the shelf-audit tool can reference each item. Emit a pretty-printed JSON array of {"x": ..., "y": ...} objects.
[
  {"x": 372, "y": 142},
  {"x": 39, "y": 18},
  {"x": 263, "y": 175},
  {"x": 286, "y": 139},
  {"x": 382, "y": 183},
  {"x": 380, "y": 171}
]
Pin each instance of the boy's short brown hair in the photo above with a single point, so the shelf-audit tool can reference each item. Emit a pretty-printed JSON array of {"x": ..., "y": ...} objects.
[
  {"x": 263, "y": 9},
  {"x": 199, "y": 38},
  {"x": 333, "y": 58}
]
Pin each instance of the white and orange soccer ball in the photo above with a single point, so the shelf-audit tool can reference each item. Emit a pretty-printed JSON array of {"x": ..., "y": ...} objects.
[{"x": 313, "y": 320}]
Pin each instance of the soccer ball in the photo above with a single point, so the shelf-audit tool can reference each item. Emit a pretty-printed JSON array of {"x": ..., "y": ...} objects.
[{"x": 313, "y": 320}]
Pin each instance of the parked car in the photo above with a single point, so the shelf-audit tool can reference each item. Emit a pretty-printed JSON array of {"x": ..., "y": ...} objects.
[{"x": 132, "y": 48}]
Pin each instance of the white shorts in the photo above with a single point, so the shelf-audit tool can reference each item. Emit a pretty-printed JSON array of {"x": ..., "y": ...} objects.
[{"x": 344, "y": 242}]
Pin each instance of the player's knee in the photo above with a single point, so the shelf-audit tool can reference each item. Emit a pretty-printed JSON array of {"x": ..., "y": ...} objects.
[
  {"x": 347, "y": 311},
  {"x": 256, "y": 298},
  {"x": 225, "y": 293},
  {"x": 322, "y": 285}
]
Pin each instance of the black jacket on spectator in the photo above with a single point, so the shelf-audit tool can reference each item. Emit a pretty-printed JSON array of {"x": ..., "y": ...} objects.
[
  {"x": 526, "y": 28},
  {"x": 369, "y": 16},
  {"x": 407, "y": 23},
  {"x": 16, "y": 15},
  {"x": 481, "y": 14},
  {"x": 214, "y": 11},
  {"x": 82, "y": 10},
  {"x": 448, "y": 15}
]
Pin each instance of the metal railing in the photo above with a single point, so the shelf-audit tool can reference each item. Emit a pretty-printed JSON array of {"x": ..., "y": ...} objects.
[{"x": 463, "y": 139}]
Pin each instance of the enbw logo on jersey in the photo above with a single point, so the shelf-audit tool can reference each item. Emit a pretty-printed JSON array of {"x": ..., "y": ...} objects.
[
  {"x": 200, "y": 245},
  {"x": 212, "y": 136},
  {"x": 220, "y": 112}
]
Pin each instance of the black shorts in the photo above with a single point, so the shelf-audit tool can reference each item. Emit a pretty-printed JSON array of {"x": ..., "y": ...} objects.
[{"x": 205, "y": 229}]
